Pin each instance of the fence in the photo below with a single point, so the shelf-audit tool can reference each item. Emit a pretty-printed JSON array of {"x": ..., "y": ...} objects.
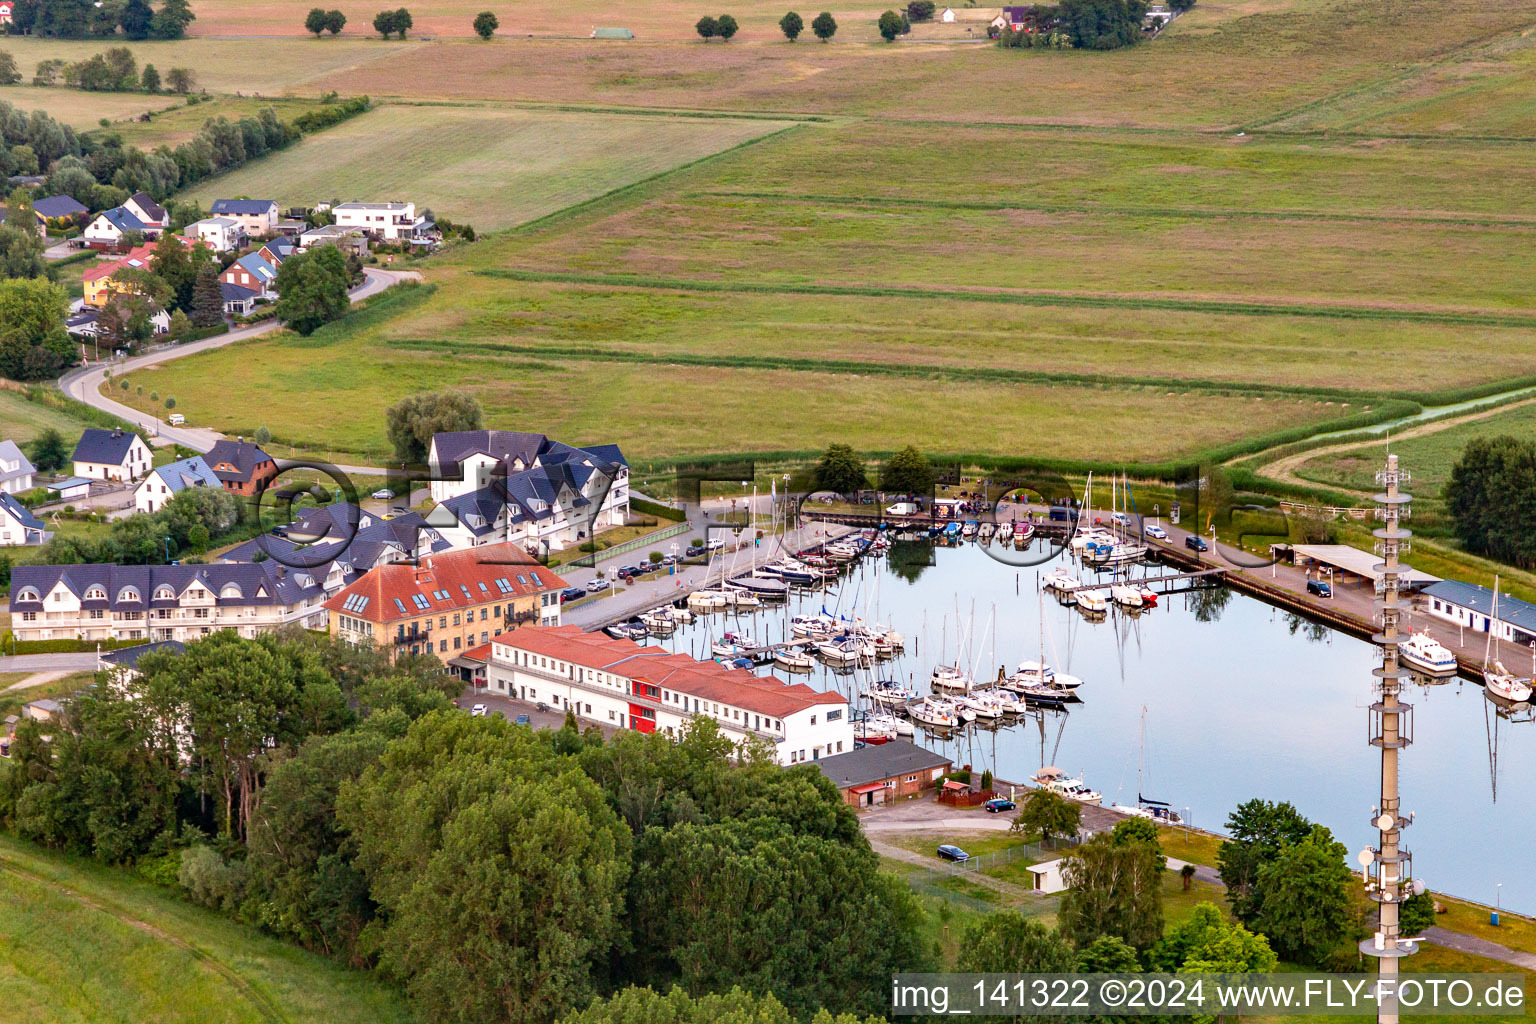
[
  {"x": 649, "y": 540},
  {"x": 932, "y": 881}
]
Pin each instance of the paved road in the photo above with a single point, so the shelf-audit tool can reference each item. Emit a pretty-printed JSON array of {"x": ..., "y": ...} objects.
[
  {"x": 1480, "y": 947},
  {"x": 85, "y": 383}
]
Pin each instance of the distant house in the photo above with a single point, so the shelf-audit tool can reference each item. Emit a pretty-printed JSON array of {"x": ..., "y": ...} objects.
[
  {"x": 251, "y": 271},
  {"x": 107, "y": 233},
  {"x": 237, "y": 301},
  {"x": 57, "y": 211},
  {"x": 256, "y": 217},
  {"x": 16, "y": 472},
  {"x": 6, "y": 10},
  {"x": 111, "y": 455},
  {"x": 879, "y": 773},
  {"x": 277, "y": 250},
  {"x": 947, "y": 15},
  {"x": 18, "y": 526},
  {"x": 100, "y": 282},
  {"x": 612, "y": 33},
  {"x": 390, "y": 222},
  {"x": 84, "y": 324},
  {"x": 241, "y": 466},
  {"x": 333, "y": 234},
  {"x": 165, "y": 482},
  {"x": 148, "y": 211},
  {"x": 221, "y": 234}
]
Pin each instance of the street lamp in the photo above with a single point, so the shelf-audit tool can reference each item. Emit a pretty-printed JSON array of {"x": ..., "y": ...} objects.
[{"x": 1497, "y": 893}]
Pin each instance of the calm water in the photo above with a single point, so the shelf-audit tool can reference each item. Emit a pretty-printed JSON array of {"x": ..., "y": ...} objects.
[{"x": 1242, "y": 700}]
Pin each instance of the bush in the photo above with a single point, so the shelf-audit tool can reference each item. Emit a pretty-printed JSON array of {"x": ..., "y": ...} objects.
[
  {"x": 211, "y": 881},
  {"x": 162, "y": 870},
  {"x": 725, "y": 26},
  {"x": 920, "y": 10}
]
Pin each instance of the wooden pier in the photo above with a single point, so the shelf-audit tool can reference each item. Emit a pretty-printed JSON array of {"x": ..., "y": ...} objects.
[{"x": 1197, "y": 574}]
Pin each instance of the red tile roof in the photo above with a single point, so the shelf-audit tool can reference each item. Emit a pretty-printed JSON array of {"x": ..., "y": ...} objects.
[
  {"x": 446, "y": 582},
  {"x": 136, "y": 258},
  {"x": 706, "y": 680}
]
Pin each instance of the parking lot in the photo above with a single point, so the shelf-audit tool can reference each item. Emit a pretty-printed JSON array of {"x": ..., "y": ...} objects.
[{"x": 509, "y": 708}]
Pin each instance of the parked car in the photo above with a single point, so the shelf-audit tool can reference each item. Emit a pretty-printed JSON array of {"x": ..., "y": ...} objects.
[
  {"x": 669, "y": 560},
  {"x": 1120, "y": 519},
  {"x": 593, "y": 586},
  {"x": 694, "y": 551},
  {"x": 1060, "y": 514},
  {"x": 1320, "y": 588},
  {"x": 1196, "y": 543},
  {"x": 522, "y": 719},
  {"x": 279, "y": 531},
  {"x": 572, "y": 594},
  {"x": 399, "y": 510},
  {"x": 954, "y": 853},
  {"x": 999, "y": 803},
  {"x": 541, "y": 706},
  {"x": 478, "y": 711},
  {"x": 176, "y": 419},
  {"x": 629, "y": 572},
  {"x": 384, "y": 494},
  {"x": 1157, "y": 532}
]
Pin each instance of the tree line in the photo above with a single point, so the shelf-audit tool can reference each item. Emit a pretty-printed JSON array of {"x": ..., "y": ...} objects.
[
  {"x": 82, "y": 19},
  {"x": 1490, "y": 496}
]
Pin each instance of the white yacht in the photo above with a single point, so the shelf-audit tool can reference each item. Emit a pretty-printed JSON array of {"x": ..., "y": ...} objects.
[
  {"x": 1428, "y": 655},
  {"x": 1034, "y": 672},
  {"x": 794, "y": 659},
  {"x": 938, "y": 714},
  {"x": 984, "y": 704},
  {"x": 1059, "y": 579},
  {"x": 1092, "y": 601},
  {"x": 1125, "y": 595},
  {"x": 1502, "y": 683},
  {"x": 817, "y": 626},
  {"x": 1057, "y": 781},
  {"x": 731, "y": 645},
  {"x": 887, "y": 693},
  {"x": 949, "y": 679}
]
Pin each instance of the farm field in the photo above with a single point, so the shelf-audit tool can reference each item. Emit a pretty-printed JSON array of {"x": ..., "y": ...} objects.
[
  {"x": 177, "y": 124},
  {"x": 1430, "y": 456},
  {"x": 488, "y": 166},
  {"x": 112, "y": 941},
  {"x": 270, "y": 67},
  {"x": 83, "y": 110}
]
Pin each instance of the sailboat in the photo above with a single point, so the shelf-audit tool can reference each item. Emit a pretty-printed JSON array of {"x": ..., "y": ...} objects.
[
  {"x": 1497, "y": 680},
  {"x": 1153, "y": 810}
]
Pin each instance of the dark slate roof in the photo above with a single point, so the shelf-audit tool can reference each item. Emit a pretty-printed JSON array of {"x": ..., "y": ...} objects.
[
  {"x": 232, "y": 292},
  {"x": 131, "y": 588},
  {"x": 20, "y": 512},
  {"x": 144, "y": 202},
  {"x": 455, "y": 445},
  {"x": 874, "y": 762},
  {"x": 128, "y": 657},
  {"x": 83, "y": 322},
  {"x": 190, "y": 472},
  {"x": 241, "y": 206},
  {"x": 57, "y": 206},
  {"x": 123, "y": 220},
  {"x": 1480, "y": 599},
  {"x": 243, "y": 455},
  {"x": 107, "y": 447},
  {"x": 371, "y": 539}
]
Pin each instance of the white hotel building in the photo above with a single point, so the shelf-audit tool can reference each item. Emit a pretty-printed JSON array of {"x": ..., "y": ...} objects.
[{"x": 621, "y": 684}]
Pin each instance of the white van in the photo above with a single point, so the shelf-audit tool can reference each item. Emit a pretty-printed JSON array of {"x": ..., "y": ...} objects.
[
  {"x": 175, "y": 419},
  {"x": 902, "y": 508}
]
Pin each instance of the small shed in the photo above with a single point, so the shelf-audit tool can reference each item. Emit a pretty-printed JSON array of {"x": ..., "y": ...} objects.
[
  {"x": 71, "y": 489},
  {"x": 947, "y": 15},
  {"x": 612, "y": 33},
  {"x": 1046, "y": 877}
]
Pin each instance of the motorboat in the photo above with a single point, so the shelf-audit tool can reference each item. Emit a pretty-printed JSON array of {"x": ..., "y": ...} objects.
[
  {"x": 984, "y": 704},
  {"x": 1125, "y": 595},
  {"x": 1059, "y": 579},
  {"x": 936, "y": 714},
  {"x": 731, "y": 645},
  {"x": 843, "y": 650},
  {"x": 634, "y": 629},
  {"x": 1426, "y": 654},
  {"x": 1057, "y": 781},
  {"x": 814, "y": 626},
  {"x": 887, "y": 693},
  {"x": 1034, "y": 672},
  {"x": 1095, "y": 535},
  {"x": 949, "y": 679},
  {"x": 1004, "y": 532},
  {"x": 1009, "y": 702},
  {"x": 984, "y": 532},
  {"x": 793, "y": 659},
  {"x": 873, "y": 731},
  {"x": 1092, "y": 602},
  {"x": 1040, "y": 694},
  {"x": 659, "y": 621},
  {"x": 1023, "y": 533},
  {"x": 1502, "y": 683},
  {"x": 1152, "y": 811},
  {"x": 708, "y": 600},
  {"x": 1148, "y": 595}
]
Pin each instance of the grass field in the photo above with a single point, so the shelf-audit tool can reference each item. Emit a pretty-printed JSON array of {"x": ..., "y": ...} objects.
[
  {"x": 181, "y": 122},
  {"x": 21, "y": 420},
  {"x": 79, "y": 942},
  {"x": 492, "y": 167},
  {"x": 83, "y": 110},
  {"x": 1429, "y": 456}
]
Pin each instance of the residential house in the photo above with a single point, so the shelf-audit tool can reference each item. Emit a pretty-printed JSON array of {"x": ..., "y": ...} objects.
[
  {"x": 125, "y": 660},
  {"x": 58, "y": 212},
  {"x": 18, "y": 526},
  {"x": 16, "y": 471},
  {"x": 241, "y": 466},
  {"x": 621, "y": 684},
  {"x": 353, "y": 239},
  {"x": 879, "y": 773},
  {"x": 111, "y": 455},
  {"x": 108, "y": 232},
  {"x": 253, "y": 272},
  {"x": 341, "y": 542},
  {"x": 161, "y": 602},
  {"x": 447, "y": 603},
  {"x": 388, "y": 222},
  {"x": 238, "y": 301},
  {"x": 504, "y": 485},
  {"x": 275, "y": 250},
  {"x": 100, "y": 282},
  {"x": 7, "y": 11},
  {"x": 256, "y": 217},
  {"x": 164, "y": 482},
  {"x": 221, "y": 234},
  {"x": 151, "y": 213},
  {"x": 84, "y": 324},
  {"x": 947, "y": 15}
]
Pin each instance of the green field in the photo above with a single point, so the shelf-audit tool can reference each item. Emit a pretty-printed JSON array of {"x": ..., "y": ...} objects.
[
  {"x": 181, "y": 122},
  {"x": 80, "y": 942},
  {"x": 83, "y": 110},
  {"x": 1429, "y": 456},
  {"x": 21, "y": 420}
]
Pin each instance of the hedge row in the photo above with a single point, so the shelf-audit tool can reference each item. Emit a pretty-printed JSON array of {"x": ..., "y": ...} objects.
[
  {"x": 70, "y": 646},
  {"x": 654, "y": 508}
]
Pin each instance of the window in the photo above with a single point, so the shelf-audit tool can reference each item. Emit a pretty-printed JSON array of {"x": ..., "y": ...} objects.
[
  {"x": 456, "y": 643},
  {"x": 832, "y": 716},
  {"x": 610, "y": 716},
  {"x": 442, "y": 645},
  {"x": 484, "y": 614},
  {"x": 95, "y": 593},
  {"x": 813, "y": 719},
  {"x": 442, "y": 622},
  {"x": 455, "y": 618},
  {"x": 910, "y": 778},
  {"x": 31, "y": 594}
]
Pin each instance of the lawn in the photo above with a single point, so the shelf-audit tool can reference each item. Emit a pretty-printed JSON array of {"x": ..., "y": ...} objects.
[
  {"x": 80, "y": 110},
  {"x": 77, "y": 939},
  {"x": 181, "y": 122},
  {"x": 1188, "y": 846},
  {"x": 12, "y": 700},
  {"x": 21, "y": 420},
  {"x": 493, "y": 167}
]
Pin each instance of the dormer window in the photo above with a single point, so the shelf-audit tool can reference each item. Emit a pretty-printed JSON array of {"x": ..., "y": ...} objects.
[
  {"x": 164, "y": 593},
  {"x": 96, "y": 593},
  {"x": 128, "y": 594},
  {"x": 31, "y": 594}
]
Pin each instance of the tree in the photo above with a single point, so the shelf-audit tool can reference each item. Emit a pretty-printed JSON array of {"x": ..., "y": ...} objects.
[
  {"x": 1487, "y": 497},
  {"x": 486, "y": 24},
  {"x": 1112, "y": 890},
  {"x": 335, "y": 21},
  {"x": 725, "y": 27},
  {"x": 1207, "y": 942},
  {"x": 1306, "y": 900},
  {"x": 890, "y": 26},
  {"x": 791, "y": 25},
  {"x": 1049, "y": 814},
  {"x": 920, "y": 10},
  {"x": 137, "y": 19},
  {"x": 1187, "y": 874},
  {"x": 49, "y": 452},
  {"x": 316, "y": 21},
  {"x": 312, "y": 289},
  {"x": 413, "y": 420},
  {"x": 150, "y": 80},
  {"x": 1108, "y": 954},
  {"x": 172, "y": 19},
  {"x": 207, "y": 308},
  {"x": 179, "y": 266},
  {"x": 33, "y": 343},
  {"x": 47, "y": 72},
  {"x": 633, "y": 1005},
  {"x": 1103, "y": 24},
  {"x": 180, "y": 80},
  {"x": 1180, "y": 6},
  {"x": 839, "y": 470},
  {"x": 824, "y": 26},
  {"x": 384, "y": 23},
  {"x": 1007, "y": 942},
  {"x": 10, "y": 74},
  {"x": 706, "y": 28},
  {"x": 500, "y": 872},
  {"x": 1414, "y": 916},
  {"x": 1139, "y": 830},
  {"x": 1258, "y": 830},
  {"x": 263, "y": 435},
  {"x": 907, "y": 472}
]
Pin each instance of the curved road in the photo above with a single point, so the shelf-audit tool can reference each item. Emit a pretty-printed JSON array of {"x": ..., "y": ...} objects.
[{"x": 85, "y": 383}]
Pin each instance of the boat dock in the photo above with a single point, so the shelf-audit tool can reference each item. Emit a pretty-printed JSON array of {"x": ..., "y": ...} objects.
[{"x": 1165, "y": 578}]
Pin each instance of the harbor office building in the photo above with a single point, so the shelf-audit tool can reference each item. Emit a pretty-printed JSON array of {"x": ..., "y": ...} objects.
[
  {"x": 621, "y": 684},
  {"x": 879, "y": 773},
  {"x": 1471, "y": 606}
]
